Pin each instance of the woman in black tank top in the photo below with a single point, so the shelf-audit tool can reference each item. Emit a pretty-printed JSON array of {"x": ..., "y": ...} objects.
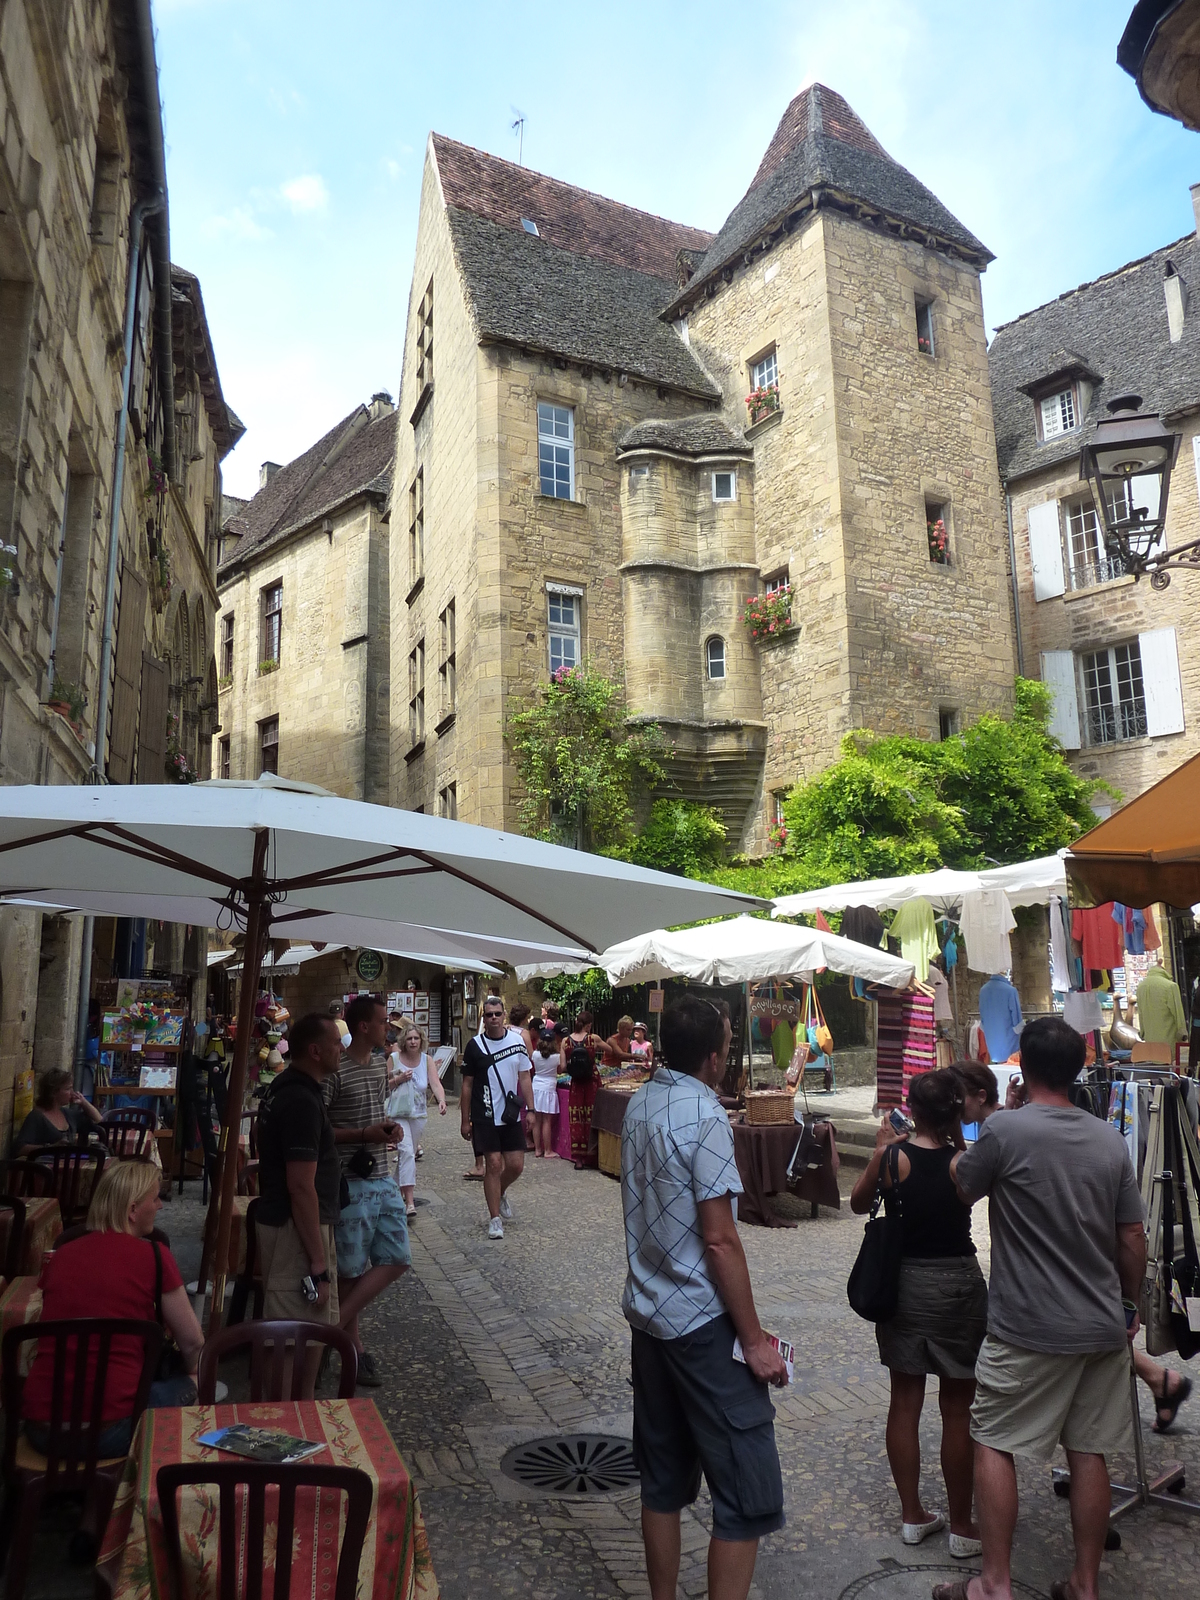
[{"x": 941, "y": 1317}]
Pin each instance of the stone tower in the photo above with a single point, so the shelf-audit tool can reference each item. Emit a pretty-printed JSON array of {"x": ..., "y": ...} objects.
[{"x": 578, "y": 472}]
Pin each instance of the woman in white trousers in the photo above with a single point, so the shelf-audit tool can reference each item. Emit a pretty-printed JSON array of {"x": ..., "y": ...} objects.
[{"x": 411, "y": 1066}]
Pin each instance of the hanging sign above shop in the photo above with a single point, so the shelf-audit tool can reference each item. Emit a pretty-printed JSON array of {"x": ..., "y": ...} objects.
[{"x": 369, "y": 966}]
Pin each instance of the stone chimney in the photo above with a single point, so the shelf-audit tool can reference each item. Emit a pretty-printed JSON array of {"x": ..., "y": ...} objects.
[
  {"x": 381, "y": 405},
  {"x": 1175, "y": 290},
  {"x": 1196, "y": 206},
  {"x": 266, "y": 472}
]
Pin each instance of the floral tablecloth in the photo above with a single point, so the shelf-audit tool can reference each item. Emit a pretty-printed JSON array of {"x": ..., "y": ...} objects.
[
  {"x": 395, "y": 1563},
  {"x": 21, "y": 1303}
]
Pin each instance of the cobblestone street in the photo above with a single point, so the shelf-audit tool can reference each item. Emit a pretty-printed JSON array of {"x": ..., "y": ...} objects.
[{"x": 488, "y": 1344}]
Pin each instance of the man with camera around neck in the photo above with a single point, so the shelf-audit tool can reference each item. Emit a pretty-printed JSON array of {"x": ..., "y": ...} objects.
[
  {"x": 496, "y": 1067},
  {"x": 372, "y": 1231}
]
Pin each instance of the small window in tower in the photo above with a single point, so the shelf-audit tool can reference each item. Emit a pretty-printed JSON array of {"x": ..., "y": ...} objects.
[
  {"x": 530, "y": 227},
  {"x": 947, "y": 722},
  {"x": 715, "y": 658},
  {"x": 937, "y": 532},
  {"x": 925, "y": 327},
  {"x": 724, "y": 485}
]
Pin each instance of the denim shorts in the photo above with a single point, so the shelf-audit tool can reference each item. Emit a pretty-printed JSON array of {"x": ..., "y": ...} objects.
[
  {"x": 697, "y": 1409},
  {"x": 372, "y": 1230}
]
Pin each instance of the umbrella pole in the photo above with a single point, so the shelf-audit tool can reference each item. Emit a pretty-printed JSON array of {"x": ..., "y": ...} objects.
[{"x": 219, "y": 1222}]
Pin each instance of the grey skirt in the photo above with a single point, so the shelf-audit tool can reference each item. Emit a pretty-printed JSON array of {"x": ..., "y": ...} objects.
[{"x": 940, "y": 1320}]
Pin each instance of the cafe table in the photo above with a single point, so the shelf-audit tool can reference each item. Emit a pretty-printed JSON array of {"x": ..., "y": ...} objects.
[
  {"x": 43, "y": 1224},
  {"x": 395, "y": 1563},
  {"x": 763, "y": 1153}
]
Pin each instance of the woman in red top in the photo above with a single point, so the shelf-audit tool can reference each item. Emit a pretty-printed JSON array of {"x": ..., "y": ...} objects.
[{"x": 111, "y": 1272}]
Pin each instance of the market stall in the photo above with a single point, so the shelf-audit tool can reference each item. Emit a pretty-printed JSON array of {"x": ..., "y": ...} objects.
[{"x": 275, "y": 858}]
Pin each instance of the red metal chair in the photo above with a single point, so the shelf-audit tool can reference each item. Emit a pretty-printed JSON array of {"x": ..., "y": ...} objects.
[
  {"x": 73, "y": 1464},
  {"x": 236, "y": 1557},
  {"x": 67, "y": 1173},
  {"x": 278, "y": 1353}
]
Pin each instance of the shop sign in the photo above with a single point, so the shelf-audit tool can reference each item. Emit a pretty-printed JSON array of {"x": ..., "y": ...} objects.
[
  {"x": 656, "y": 999},
  {"x": 369, "y": 966},
  {"x": 778, "y": 1010}
]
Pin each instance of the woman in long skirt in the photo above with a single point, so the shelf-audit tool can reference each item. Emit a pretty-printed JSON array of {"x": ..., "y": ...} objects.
[{"x": 578, "y": 1056}]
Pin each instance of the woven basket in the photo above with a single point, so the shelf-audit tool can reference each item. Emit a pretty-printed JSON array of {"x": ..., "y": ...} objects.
[{"x": 764, "y": 1106}]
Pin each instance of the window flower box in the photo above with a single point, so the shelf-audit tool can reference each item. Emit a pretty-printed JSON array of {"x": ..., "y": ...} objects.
[
  {"x": 762, "y": 402},
  {"x": 225, "y": 682},
  {"x": 939, "y": 541},
  {"x": 268, "y": 666},
  {"x": 767, "y": 616}
]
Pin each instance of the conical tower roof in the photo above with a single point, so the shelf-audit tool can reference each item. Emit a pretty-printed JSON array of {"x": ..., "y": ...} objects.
[{"x": 822, "y": 144}]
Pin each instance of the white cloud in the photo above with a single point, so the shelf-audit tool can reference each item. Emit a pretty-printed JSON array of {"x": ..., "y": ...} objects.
[
  {"x": 392, "y": 168},
  {"x": 306, "y": 193},
  {"x": 240, "y": 223}
]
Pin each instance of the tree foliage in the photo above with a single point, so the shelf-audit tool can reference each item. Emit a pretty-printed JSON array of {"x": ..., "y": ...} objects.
[
  {"x": 681, "y": 837},
  {"x": 1001, "y": 791},
  {"x": 573, "y": 992},
  {"x": 580, "y": 763}
]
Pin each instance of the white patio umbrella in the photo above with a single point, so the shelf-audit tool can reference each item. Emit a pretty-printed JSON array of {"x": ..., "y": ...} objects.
[
  {"x": 743, "y": 950},
  {"x": 286, "y": 858},
  {"x": 1026, "y": 883}
]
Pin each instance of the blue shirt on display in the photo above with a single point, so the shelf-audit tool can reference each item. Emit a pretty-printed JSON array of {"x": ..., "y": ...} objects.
[{"x": 1000, "y": 1014}]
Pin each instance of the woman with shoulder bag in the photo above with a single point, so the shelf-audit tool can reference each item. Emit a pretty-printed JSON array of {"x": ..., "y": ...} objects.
[
  {"x": 941, "y": 1314},
  {"x": 410, "y": 1083}
]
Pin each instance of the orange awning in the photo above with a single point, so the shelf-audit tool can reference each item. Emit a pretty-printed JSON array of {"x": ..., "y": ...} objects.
[{"x": 1150, "y": 849}]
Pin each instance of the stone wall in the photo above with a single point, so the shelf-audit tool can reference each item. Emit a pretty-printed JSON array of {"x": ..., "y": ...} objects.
[
  {"x": 331, "y": 691},
  {"x": 1115, "y": 612}
]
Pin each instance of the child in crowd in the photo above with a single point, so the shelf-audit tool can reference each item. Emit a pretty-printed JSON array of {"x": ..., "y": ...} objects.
[{"x": 545, "y": 1091}]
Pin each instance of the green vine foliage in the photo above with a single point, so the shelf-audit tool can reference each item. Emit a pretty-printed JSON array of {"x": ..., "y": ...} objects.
[
  {"x": 573, "y": 992},
  {"x": 680, "y": 837},
  {"x": 1000, "y": 791},
  {"x": 580, "y": 764}
]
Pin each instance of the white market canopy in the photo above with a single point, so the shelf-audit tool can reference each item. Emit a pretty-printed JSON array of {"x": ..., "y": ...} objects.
[
  {"x": 743, "y": 950},
  {"x": 286, "y": 860},
  {"x": 1027, "y": 883},
  {"x": 289, "y": 962}
]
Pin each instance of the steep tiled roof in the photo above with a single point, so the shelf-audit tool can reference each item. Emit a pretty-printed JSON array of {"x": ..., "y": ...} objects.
[
  {"x": 1117, "y": 327},
  {"x": 821, "y": 143},
  {"x": 570, "y": 218},
  {"x": 701, "y": 435},
  {"x": 528, "y": 292},
  {"x": 353, "y": 458}
]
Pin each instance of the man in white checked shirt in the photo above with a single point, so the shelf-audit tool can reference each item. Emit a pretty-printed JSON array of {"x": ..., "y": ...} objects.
[{"x": 687, "y": 1296}]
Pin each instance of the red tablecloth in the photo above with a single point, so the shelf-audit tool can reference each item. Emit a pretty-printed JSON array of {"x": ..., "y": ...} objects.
[
  {"x": 395, "y": 1562},
  {"x": 763, "y": 1154},
  {"x": 43, "y": 1224}
]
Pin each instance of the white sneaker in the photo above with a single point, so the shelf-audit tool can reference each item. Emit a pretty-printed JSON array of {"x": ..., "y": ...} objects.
[
  {"x": 495, "y": 1229},
  {"x": 914, "y": 1532},
  {"x": 506, "y": 1211}
]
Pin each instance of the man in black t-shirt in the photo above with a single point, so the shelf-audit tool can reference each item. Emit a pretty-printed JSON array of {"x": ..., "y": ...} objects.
[
  {"x": 299, "y": 1179},
  {"x": 496, "y": 1064}
]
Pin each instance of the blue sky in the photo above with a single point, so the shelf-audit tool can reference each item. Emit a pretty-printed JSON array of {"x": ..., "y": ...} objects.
[{"x": 296, "y": 136}]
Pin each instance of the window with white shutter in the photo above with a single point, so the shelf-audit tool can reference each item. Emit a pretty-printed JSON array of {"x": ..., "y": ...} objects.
[
  {"x": 1058, "y": 673},
  {"x": 1160, "y": 682},
  {"x": 1058, "y": 414},
  {"x": 1045, "y": 550}
]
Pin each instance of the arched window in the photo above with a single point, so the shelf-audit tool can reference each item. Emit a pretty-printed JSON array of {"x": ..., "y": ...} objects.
[{"x": 714, "y": 652}]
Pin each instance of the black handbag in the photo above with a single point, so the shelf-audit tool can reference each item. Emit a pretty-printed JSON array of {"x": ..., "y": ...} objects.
[
  {"x": 511, "y": 1115},
  {"x": 873, "y": 1288}
]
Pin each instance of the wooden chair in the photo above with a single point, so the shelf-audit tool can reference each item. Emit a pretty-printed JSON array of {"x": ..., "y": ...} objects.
[
  {"x": 277, "y": 1358},
  {"x": 127, "y": 1132},
  {"x": 249, "y": 1280},
  {"x": 255, "y": 1478},
  {"x": 10, "y": 1257},
  {"x": 73, "y": 1465},
  {"x": 68, "y": 1173}
]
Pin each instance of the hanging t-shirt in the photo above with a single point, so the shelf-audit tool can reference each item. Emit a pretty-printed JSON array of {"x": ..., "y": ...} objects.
[
  {"x": 1060, "y": 945},
  {"x": 1100, "y": 937},
  {"x": 941, "y": 995},
  {"x": 986, "y": 921},
  {"x": 914, "y": 926},
  {"x": 1132, "y": 924},
  {"x": 1081, "y": 1010}
]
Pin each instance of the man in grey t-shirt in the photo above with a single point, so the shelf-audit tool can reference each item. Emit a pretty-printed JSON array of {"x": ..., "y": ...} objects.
[{"x": 1067, "y": 1241}]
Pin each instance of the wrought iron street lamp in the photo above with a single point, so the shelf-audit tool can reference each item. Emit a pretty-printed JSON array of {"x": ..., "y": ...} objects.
[{"x": 1128, "y": 465}]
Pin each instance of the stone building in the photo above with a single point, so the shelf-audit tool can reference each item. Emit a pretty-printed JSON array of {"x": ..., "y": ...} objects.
[
  {"x": 303, "y": 640},
  {"x": 578, "y": 472},
  {"x": 1122, "y": 658},
  {"x": 107, "y": 602}
]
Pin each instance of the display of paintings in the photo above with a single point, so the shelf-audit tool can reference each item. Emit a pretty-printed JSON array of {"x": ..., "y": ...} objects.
[
  {"x": 472, "y": 1016},
  {"x": 456, "y": 1011},
  {"x": 167, "y": 1030},
  {"x": 456, "y": 1039},
  {"x": 156, "y": 1077},
  {"x": 469, "y": 986},
  {"x": 115, "y": 1029}
]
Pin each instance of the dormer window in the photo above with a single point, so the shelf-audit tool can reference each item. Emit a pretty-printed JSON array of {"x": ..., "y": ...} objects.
[
  {"x": 1058, "y": 414},
  {"x": 530, "y": 227}
]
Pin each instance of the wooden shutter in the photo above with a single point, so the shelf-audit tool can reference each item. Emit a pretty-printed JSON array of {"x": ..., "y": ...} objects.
[
  {"x": 152, "y": 726},
  {"x": 131, "y": 624},
  {"x": 1045, "y": 550},
  {"x": 1160, "y": 682},
  {"x": 1058, "y": 672}
]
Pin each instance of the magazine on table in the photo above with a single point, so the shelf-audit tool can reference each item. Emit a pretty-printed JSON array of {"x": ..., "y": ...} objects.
[{"x": 261, "y": 1444}]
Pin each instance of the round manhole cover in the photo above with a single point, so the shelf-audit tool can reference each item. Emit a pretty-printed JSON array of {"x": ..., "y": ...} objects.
[
  {"x": 573, "y": 1463},
  {"x": 895, "y": 1580}
]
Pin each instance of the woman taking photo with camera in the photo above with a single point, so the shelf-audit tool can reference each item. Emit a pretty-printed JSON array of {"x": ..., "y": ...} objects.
[{"x": 941, "y": 1317}]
